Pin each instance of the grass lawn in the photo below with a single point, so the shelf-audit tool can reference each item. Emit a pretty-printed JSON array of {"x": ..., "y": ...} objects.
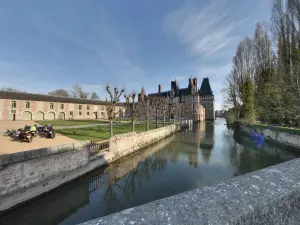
[
  {"x": 69, "y": 122},
  {"x": 102, "y": 132}
]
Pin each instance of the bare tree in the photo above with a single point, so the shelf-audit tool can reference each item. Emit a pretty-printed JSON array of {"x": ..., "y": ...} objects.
[
  {"x": 171, "y": 111},
  {"x": 156, "y": 109},
  {"x": 145, "y": 109},
  {"x": 9, "y": 89},
  {"x": 114, "y": 98},
  {"x": 78, "y": 92},
  {"x": 164, "y": 109},
  {"x": 94, "y": 96},
  {"x": 132, "y": 107},
  {"x": 181, "y": 110},
  {"x": 59, "y": 93}
]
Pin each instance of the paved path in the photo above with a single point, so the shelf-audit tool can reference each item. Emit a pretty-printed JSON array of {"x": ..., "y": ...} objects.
[
  {"x": 11, "y": 146},
  {"x": 7, "y": 145}
]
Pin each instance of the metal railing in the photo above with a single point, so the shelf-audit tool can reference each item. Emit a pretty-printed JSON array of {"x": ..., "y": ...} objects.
[{"x": 96, "y": 147}]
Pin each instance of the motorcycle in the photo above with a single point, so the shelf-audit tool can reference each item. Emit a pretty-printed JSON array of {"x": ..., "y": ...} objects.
[
  {"x": 49, "y": 131},
  {"x": 10, "y": 133},
  {"x": 26, "y": 135}
]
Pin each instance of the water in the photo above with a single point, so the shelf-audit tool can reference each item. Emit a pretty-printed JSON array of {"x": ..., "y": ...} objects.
[{"x": 199, "y": 156}]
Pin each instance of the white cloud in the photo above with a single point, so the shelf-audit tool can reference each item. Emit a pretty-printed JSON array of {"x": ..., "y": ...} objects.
[{"x": 204, "y": 30}]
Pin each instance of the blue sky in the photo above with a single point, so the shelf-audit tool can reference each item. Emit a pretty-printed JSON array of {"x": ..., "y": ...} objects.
[{"x": 45, "y": 45}]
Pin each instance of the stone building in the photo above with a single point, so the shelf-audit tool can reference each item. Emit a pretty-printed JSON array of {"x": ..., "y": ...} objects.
[
  {"x": 26, "y": 106},
  {"x": 199, "y": 103},
  {"x": 207, "y": 99}
]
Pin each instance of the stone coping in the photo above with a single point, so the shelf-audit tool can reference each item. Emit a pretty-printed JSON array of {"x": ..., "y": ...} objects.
[
  {"x": 267, "y": 196},
  {"x": 36, "y": 153}
]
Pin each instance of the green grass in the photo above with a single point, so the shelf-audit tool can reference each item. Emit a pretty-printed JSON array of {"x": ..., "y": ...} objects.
[
  {"x": 102, "y": 132},
  {"x": 69, "y": 122}
]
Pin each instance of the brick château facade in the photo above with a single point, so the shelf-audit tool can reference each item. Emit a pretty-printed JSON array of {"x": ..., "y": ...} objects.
[{"x": 26, "y": 106}]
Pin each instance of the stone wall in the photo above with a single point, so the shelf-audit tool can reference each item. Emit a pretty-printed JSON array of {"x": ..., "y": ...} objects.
[
  {"x": 124, "y": 144},
  {"x": 21, "y": 175},
  {"x": 278, "y": 136},
  {"x": 269, "y": 196}
]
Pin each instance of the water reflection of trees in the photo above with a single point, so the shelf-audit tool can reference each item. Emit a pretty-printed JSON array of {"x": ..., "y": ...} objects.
[
  {"x": 126, "y": 187},
  {"x": 246, "y": 157}
]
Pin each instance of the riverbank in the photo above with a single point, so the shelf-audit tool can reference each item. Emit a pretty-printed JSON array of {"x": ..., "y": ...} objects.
[
  {"x": 27, "y": 175},
  {"x": 279, "y": 135}
]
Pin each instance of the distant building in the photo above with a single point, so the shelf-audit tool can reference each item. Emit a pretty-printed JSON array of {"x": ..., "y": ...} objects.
[
  {"x": 207, "y": 99},
  {"x": 26, "y": 106},
  {"x": 199, "y": 104}
]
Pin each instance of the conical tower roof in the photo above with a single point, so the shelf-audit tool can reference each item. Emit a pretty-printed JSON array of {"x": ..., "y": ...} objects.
[{"x": 205, "y": 88}]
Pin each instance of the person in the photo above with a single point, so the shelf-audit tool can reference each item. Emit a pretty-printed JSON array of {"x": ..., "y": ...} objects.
[{"x": 33, "y": 129}]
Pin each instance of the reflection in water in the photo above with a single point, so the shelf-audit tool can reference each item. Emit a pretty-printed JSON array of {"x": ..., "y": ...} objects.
[{"x": 201, "y": 155}]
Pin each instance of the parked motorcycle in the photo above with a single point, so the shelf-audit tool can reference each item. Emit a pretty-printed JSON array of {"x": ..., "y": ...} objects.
[
  {"x": 49, "y": 131},
  {"x": 10, "y": 133},
  {"x": 25, "y": 134}
]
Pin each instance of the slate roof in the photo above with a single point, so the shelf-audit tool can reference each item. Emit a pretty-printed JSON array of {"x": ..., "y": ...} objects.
[
  {"x": 205, "y": 88},
  {"x": 48, "y": 98},
  {"x": 161, "y": 94}
]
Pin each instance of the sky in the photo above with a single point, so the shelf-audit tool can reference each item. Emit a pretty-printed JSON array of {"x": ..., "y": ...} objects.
[{"x": 46, "y": 45}]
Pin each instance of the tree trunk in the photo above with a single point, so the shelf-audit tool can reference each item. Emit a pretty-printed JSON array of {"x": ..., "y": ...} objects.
[
  {"x": 111, "y": 128},
  {"x": 156, "y": 121},
  {"x": 147, "y": 124},
  {"x": 164, "y": 123},
  {"x": 132, "y": 124}
]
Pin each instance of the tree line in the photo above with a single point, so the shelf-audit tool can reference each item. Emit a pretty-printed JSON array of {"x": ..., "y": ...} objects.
[
  {"x": 75, "y": 92},
  {"x": 264, "y": 83}
]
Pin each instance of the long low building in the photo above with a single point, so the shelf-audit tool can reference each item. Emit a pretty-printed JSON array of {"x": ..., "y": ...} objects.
[{"x": 26, "y": 106}]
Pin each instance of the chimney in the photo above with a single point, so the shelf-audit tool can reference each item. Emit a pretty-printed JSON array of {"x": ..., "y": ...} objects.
[
  {"x": 190, "y": 83},
  {"x": 195, "y": 82},
  {"x": 159, "y": 88}
]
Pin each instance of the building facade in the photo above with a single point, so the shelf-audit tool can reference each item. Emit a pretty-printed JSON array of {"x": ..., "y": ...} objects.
[
  {"x": 25, "y": 106},
  {"x": 207, "y": 99},
  {"x": 198, "y": 103}
]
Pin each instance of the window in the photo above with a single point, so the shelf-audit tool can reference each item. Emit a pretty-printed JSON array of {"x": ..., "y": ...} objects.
[
  {"x": 27, "y": 105},
  {"x": 102, "y": 113},
  {"x": 51, "y": 105},
  {"x": 79, "y": 113},
  {"x": 14, "y": 104},
  {"x": 102, "y": 108},
  {"x": 71, "y": 113},
  {"x": 88, "y": 107},
  {"x": 80, "y": 107},
  {"x": 88, "y": 113},
  {"x": 61, "y": 106}
]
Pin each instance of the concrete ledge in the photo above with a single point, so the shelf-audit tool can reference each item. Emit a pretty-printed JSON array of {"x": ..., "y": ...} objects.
[{"x": 269, "y": 196}]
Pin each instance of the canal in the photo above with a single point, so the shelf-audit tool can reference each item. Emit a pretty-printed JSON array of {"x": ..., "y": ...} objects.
[{"x": 201, "y": 155}]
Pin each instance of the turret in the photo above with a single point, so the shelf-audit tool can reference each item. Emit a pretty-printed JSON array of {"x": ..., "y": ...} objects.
[
  {"x": 142, "y": 95},
  {"x": 207, "y": 99}
]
